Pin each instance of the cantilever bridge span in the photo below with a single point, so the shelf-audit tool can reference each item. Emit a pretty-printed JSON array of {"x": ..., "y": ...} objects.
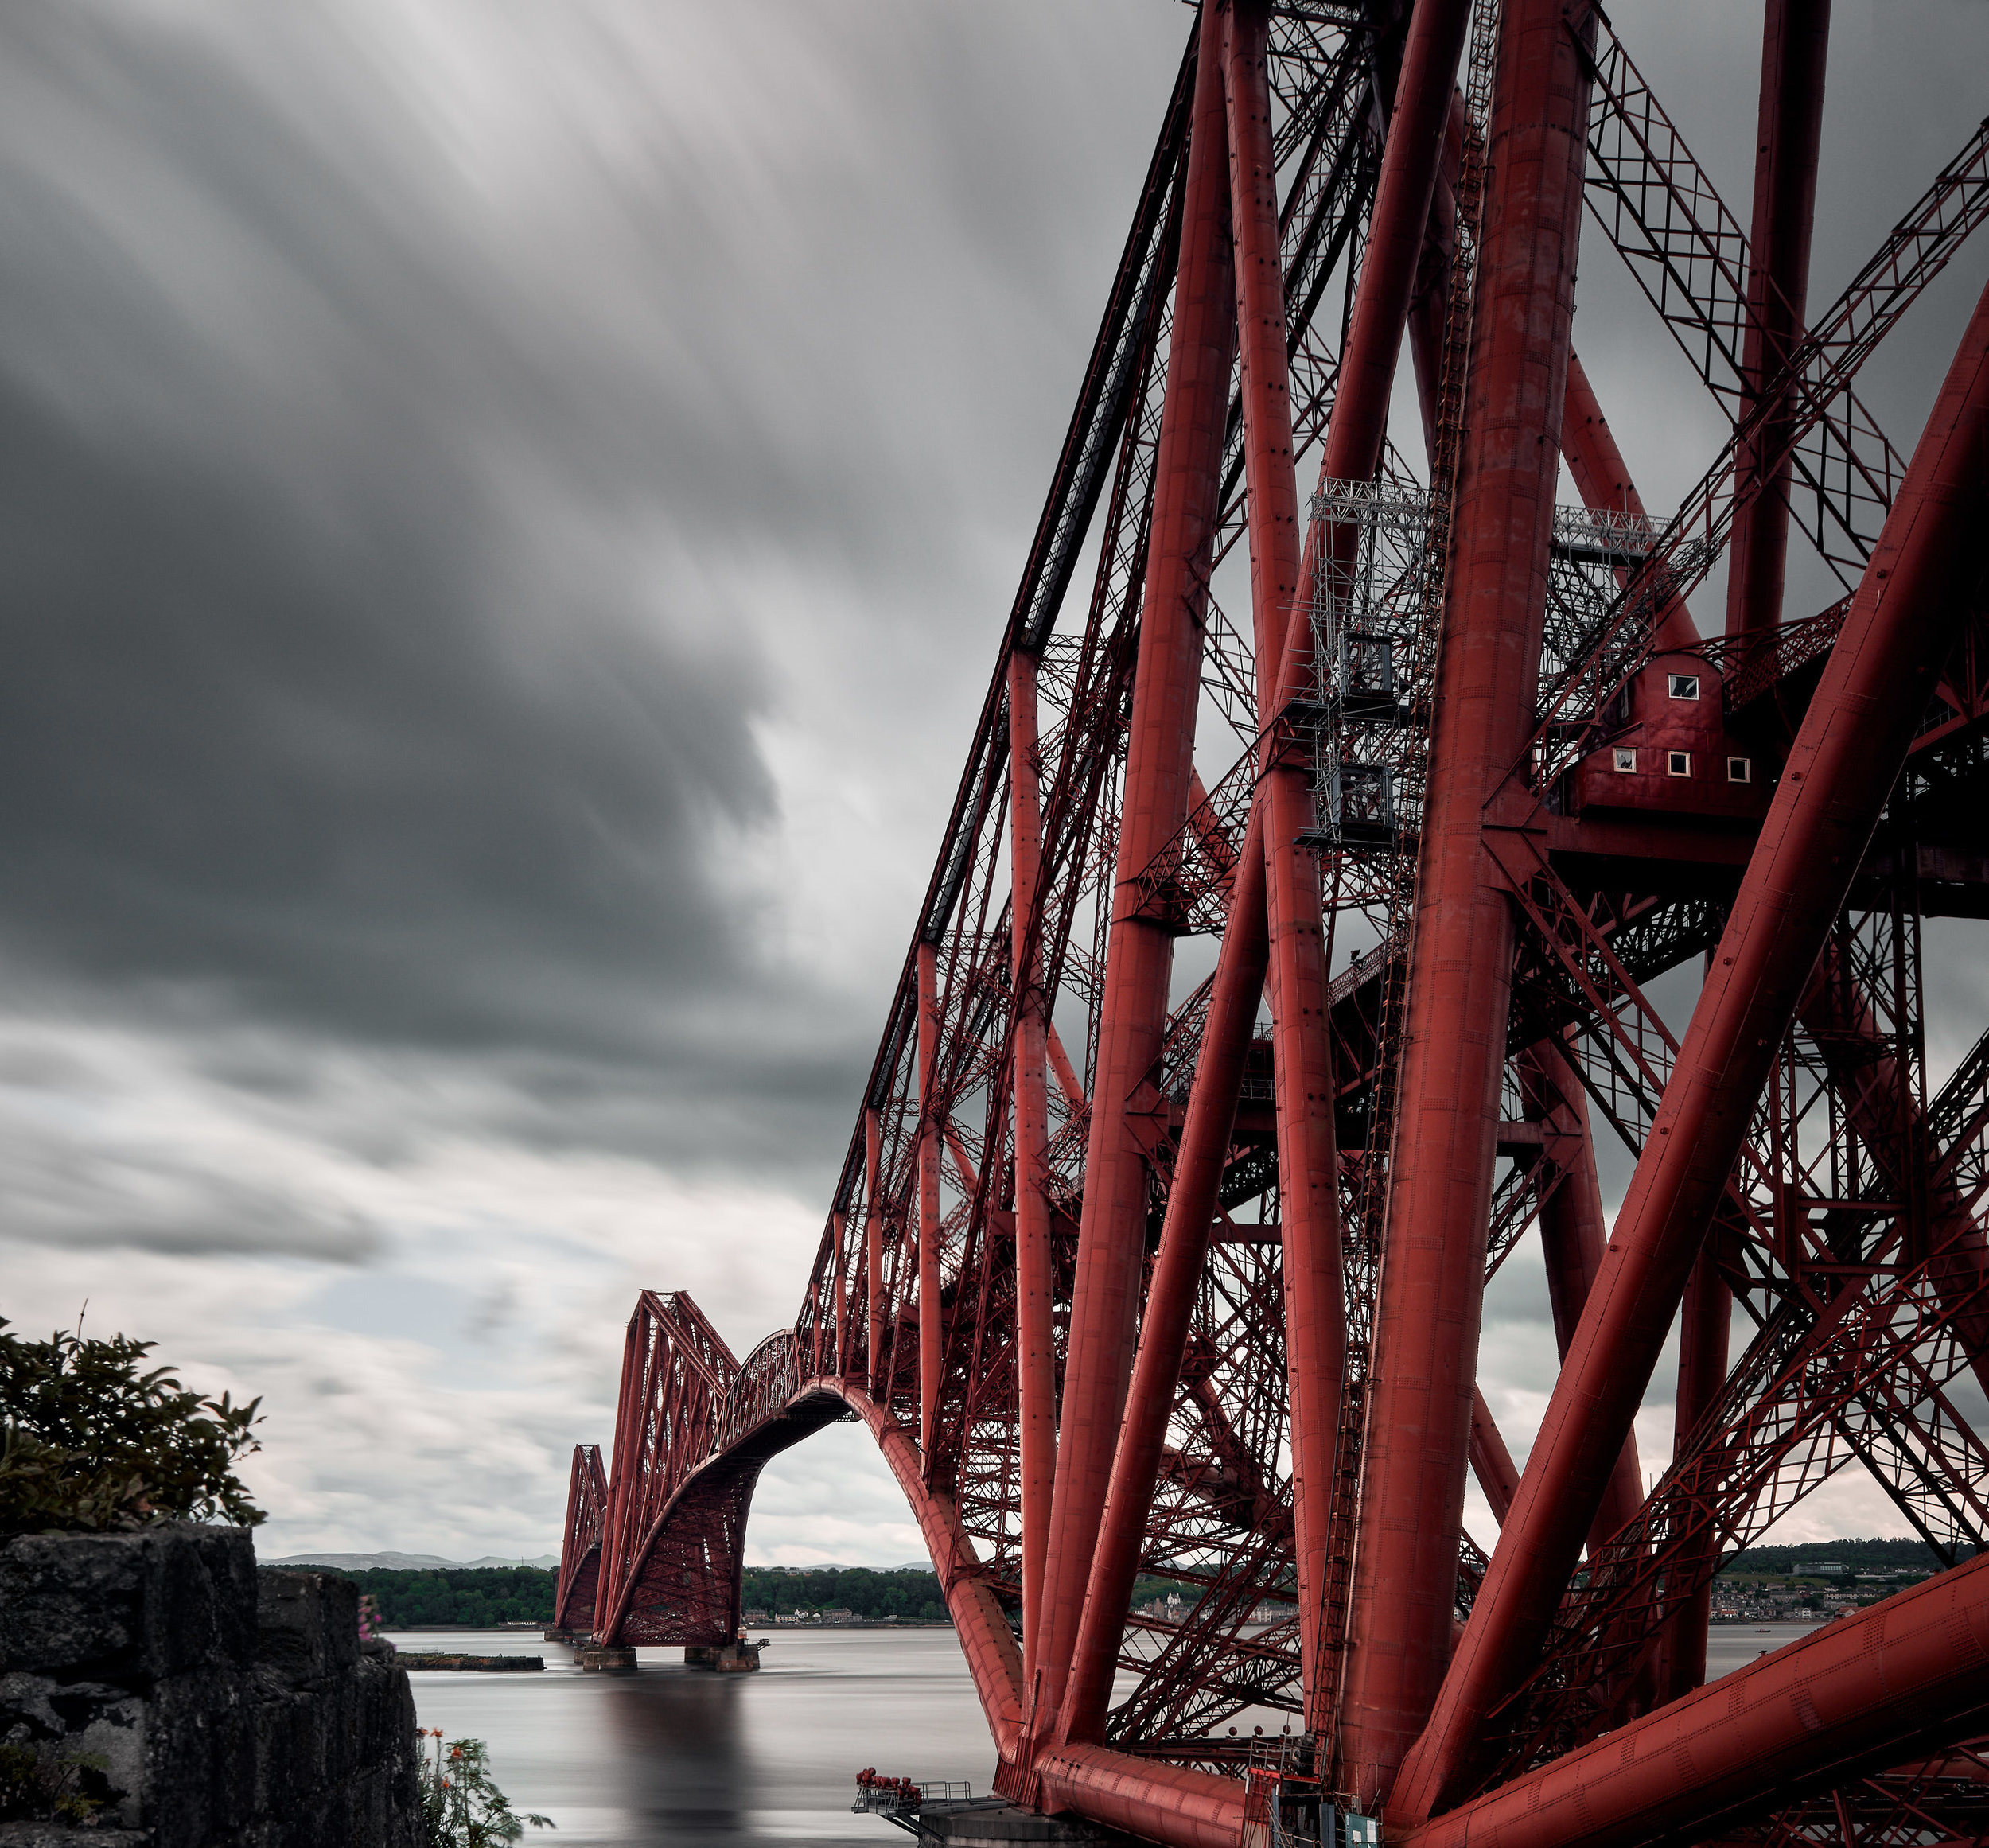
[{"x": 1128, "y": 1273}]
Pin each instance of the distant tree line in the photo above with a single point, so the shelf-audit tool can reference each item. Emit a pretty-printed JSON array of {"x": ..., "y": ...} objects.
[
  {"x": 855, "y": 1588},
  {"x": 475, "y": 1596},
  {"x": 1854, "y": 1555}
]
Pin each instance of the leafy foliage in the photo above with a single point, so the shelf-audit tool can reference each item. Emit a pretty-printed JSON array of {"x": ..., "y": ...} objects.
[
  {"x": 477, "y": 1596},
  {"x": 90, "y": 1441},
  {"x": 460, "y": 1802},
  {"x": 42, "y": 1784}
]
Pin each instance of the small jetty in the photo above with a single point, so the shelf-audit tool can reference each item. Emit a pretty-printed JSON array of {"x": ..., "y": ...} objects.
[{"x": 436, "y": 1659}]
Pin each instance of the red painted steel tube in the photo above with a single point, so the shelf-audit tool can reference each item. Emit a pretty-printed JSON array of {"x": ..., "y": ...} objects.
[
  {"x": 873, "y": 1243},
  {"x": 1880, "y": 1106},
  {"x": 1170, "y": 1293},
  {"x": 1361, "y": 420},
  {"x": 1308, "y": 1152},
  {"x": 841, "y": 1222},
  {"x": 1409, "y": 164},
  {"x": 928, "y": 1180},
  {"x": 1429, "y": 306},
  {"x": 1035, "y": 1347},
  {"x": 1795, "y": 47},
  {"x": 1703, "y": 1330},
  {"x": 1491, "y": 1461},
  {"x": 1421, "y": 135},
  {"x": 1603, "y": 478},
  {"x": 1573, "y": 1234},
  {"x": 1067, "y": 1079},
  {"x": 985, "y": 1640},
  {"x": 836, "y": 1300},
  {"x": 1440, "y": 1174},
  {"x": 1895, "y": 639},
  {"x": 1867, "y": 1692},
  {"x": 1145, "y": 1796},
  {"x": 1139, "y": 948}
]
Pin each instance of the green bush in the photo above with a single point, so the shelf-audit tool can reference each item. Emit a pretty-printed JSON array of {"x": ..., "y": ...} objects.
[{"x": 89, "y": 1442}]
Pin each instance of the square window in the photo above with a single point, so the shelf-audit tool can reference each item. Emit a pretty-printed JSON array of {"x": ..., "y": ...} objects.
[
  {"x": 1684, "y": 685},
  {"x": 1678, "y": 763},
  {"x": 1625, "y": 760},
  {"x": 1740, "y": 770}
]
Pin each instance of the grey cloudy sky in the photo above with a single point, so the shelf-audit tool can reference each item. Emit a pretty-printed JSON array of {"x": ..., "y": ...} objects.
[{"x": 504, "y": 513}]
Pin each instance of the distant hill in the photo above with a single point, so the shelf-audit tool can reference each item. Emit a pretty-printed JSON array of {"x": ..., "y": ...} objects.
[{"x": 414, "y": 1562}]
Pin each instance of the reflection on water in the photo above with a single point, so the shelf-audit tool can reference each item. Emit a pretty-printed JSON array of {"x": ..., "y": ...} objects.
[
  {"x": 1731, "y": 1646},
  {"x": 671, "y": 1754},
  {"x": 678, "y": 1755}
]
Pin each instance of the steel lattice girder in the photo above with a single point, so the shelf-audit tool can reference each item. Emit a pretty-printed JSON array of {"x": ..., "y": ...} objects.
[{"x": 1120, "y": 1286}]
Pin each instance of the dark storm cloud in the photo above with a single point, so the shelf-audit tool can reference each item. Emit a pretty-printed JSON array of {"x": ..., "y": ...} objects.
[
  {"x": 291, "y": 701},
  {"x": 403, "y": 412}
]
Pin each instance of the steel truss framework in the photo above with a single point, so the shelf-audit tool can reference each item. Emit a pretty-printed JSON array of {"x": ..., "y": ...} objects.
[{"x": 1122, "y": 1283}]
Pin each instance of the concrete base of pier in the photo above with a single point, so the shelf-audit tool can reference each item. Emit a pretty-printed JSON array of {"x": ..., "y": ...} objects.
[
  {"x": 728, "y": 1658},
  {"x": 596, "y": 1660}
]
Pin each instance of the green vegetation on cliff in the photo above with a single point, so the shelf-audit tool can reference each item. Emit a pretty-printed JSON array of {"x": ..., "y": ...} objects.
[{"x": 93, "y": 1439}]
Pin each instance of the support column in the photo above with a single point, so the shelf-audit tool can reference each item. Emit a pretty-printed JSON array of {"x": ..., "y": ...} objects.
[
  {"x": 1603, "y": 478},
  {"x": 1035, "y": 1342},
  {"x": 1572, "y": 1236},
  {"x": 1794, "y": 46},
  {"x": 842, "y": 1294},
  {"x": 1308, "y": 1155},
  {"x": 1461, "y": 953},
  {"x": 1703, "y": 1329},
  {"x": 1226, "y": 1033},
  {"x": 1491, "y": 1462},
  {"x": 1901, "y": 625},
  {"x": 928, "y": 1167},
  {"x": 1139, "y": 948},
  {"x": 874, "y": 1250},
  {"x": 1879, "y": 1688}
]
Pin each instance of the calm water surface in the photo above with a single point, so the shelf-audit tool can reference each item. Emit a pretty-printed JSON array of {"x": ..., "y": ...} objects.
[
  {"x": 685, "y": 1756},
  {"x": 675, "y": 1755}
]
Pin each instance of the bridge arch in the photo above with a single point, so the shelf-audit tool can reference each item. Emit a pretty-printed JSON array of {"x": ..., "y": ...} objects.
[{"x": 655, "y": 1555}]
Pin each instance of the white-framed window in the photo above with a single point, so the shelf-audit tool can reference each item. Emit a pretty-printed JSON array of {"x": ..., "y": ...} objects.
[
  {"x": 1740, "y": 770},
  {"x": 1678, "y": 763},
  {"x": 1683, "y": 686},
  {"x": 1625, "y": 760}
]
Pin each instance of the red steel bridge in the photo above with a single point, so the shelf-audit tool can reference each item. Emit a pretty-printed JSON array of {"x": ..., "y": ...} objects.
[{"x": 1128, "y": 1273}]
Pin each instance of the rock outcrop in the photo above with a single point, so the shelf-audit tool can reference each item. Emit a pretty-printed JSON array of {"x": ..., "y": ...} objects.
[{"x": 203, "y": 1703}]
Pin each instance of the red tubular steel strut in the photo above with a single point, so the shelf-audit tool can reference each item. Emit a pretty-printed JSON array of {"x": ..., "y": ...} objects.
[
  {"x": 1462, "y": 946},
  {"x": 1163, "y": 1336},
  {"x": 1794, "y": 45},
  {"x": 1864, "y": 1693},
  {"x": 1573, "y": 1232},
  {"x": 873, "y": 1246},
  {"x": 1846, "y": 757},
  {"x": 1308, "y": 1182},
  {"x": 1604, "y": 480},
  {"x": 1139, "y": 948},
  {"x": 1035, "y": 1354},
  {"x": 928, "y": 1166},
  {"x": 1491, "y": 1461}
]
